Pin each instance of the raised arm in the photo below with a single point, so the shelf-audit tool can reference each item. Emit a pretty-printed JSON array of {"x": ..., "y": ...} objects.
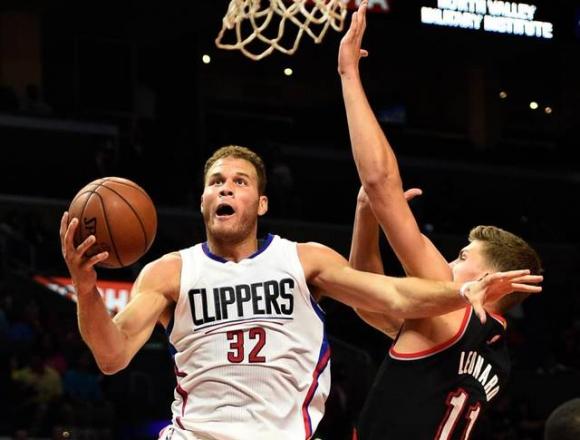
[
  {"x": 114, "y": 342},
  {"x": 408, "y": 298},
  {"x": 377, "y": 165},
  {"x": 365, "y": 255}
]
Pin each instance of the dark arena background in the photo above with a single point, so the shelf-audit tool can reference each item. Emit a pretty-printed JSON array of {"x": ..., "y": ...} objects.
[{"x": 485, "y": 122}]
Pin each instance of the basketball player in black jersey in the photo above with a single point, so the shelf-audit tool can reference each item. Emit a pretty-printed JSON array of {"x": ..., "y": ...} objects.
[{"x": 441, "y": 372}]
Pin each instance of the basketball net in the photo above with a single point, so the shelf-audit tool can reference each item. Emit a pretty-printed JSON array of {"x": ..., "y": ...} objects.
[{"x": 259, "y": 29}]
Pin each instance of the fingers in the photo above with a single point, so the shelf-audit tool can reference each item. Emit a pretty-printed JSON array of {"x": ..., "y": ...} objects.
[
  {"x": 76, "y": 257},
  {"x": 63, "y": 224},
  {"x": 69, "y": 233},
  {"x": 354, "y": 23},
  {"x": 526, "y": 283},
  {"x": 359, "y": 21},
  {"x": 533, "y": 279},
  {"x": 364, "y": 53},
  {"x": 94, "y": 260},
  {"x": 511, "y": 274},
  {"x": 503, "y": 277},
  {"x": 472, "y": 291},
  {"x": 85, "y": 245},
  {"x": 526, "y": 288},
  {"x": 411, "y": 193},
  {"x": 362, "y": 18},
  {"x": 480, "y": 312},
  {"x": 62, "y": 231},
  {"x": 83, "y": 259},
  {"x": 520, "y": 278}
]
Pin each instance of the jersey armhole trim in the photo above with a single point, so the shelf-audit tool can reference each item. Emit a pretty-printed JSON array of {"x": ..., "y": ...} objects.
[
  {"x": 438, "y": 348},
  {"x": 500, "y": 319}
]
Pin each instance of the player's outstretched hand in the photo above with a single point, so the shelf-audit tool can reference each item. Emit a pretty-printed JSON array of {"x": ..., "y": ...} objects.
[
  {"x": 350, "y": 51},
  {"x": 80, "y": 266},
  {"x": 493, "y": 286}
]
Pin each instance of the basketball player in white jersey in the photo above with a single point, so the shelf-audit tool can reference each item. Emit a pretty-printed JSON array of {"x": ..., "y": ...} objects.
[{"x": 251, "y": 357}]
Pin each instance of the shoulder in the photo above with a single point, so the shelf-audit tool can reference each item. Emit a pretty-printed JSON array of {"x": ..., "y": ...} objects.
[
  {"x": 312, "y": 251},
  {"x": 312, "y": 247},
  {"x": 166, "y": 264},
  {"x": 314, "y": 257},
  {"x": 161, "y": 275}
]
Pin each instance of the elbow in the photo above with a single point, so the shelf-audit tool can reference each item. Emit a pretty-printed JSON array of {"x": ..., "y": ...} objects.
[
  {"x": 407, "y": 310},
  {"x": 109, "y": 368},
  {"x": 396, "y": 307},
  {"x": 108, "y": 371},
  {"x": 380, "y": 185},
  {"x": 110, "y": 365},
  {"x": 397, "y": 310},
  {"x": 375, "y": 179}
]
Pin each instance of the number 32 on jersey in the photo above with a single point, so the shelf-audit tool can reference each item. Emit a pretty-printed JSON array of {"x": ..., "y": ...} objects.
[{"x": 242, "y": 341}]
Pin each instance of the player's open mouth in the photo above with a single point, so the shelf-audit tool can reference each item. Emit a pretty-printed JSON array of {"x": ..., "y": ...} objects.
[{"x": 224, "y": 210}]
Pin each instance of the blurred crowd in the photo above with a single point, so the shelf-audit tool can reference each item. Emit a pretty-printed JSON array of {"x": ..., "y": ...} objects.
[{"x": 49, "y": 377}]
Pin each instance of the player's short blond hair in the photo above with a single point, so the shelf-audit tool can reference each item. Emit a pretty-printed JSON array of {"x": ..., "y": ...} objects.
[
  {"x": 239, "y": 152},
  {"x": 505, "y": 251}
]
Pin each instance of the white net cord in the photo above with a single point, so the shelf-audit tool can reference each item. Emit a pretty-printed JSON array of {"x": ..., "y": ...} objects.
[{"x": 248, "y": 20}]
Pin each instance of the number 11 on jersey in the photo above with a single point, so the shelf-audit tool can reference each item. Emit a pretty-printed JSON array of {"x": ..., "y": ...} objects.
[{"x": 455, "y": 408}]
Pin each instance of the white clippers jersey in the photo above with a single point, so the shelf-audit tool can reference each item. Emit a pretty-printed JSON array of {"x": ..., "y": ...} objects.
[{"x": 251, "y": 356}]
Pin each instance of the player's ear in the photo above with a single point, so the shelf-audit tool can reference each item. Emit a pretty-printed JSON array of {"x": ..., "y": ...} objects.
[
  {"x": 262, "y": 205},
  {"x": 201, "y": 204}
]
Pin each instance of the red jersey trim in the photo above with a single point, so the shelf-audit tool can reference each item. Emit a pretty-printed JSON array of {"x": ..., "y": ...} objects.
[
  {"x": 499, "y": 319},
  {"x": 438, "y": 348}
]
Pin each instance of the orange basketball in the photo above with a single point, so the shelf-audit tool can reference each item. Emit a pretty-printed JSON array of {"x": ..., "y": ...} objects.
[{"x": 120, "y": 214}]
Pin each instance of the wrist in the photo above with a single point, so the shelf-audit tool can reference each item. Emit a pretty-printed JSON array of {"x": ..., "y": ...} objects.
[
  {"x": 85, "y": 291},
  {"x": 465, "y": 289},
  {"x": 349, "y": 73}
]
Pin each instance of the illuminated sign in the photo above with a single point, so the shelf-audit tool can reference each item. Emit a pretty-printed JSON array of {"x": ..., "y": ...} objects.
[
  {"x": 511, "y": 18},
  {"x": 115, "y": 293}
]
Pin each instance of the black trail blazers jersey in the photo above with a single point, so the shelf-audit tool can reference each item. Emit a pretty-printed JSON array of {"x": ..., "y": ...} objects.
[{"x": 438, "y": 394}]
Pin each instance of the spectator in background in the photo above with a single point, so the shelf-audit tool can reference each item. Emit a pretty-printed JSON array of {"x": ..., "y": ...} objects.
[
  {"x": 564, "y": 422},
  {"x": 40, "y": 389},
  {"x": 80, "y": 382},
  {"x": 52, "y": 354},
  {"x": 85, "y": 406},
  {"x": 25, "y": 326}
]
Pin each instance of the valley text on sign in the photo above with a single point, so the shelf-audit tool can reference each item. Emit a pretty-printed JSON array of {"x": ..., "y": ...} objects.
[{"x": 492, "y": 16}]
